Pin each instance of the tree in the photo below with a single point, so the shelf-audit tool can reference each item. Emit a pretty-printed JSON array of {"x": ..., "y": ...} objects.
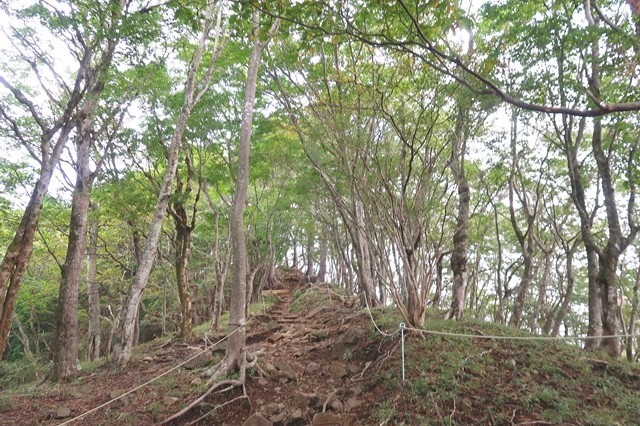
[
  {"x": 72, "y": 101},
  {"x": 197, "y": 83}
]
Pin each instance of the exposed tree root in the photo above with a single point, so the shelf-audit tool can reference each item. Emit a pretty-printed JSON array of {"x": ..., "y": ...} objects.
[{"x": 243, "y": 361}]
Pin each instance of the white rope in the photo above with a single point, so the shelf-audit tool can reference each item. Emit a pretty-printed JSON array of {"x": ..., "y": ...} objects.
[
  {"x": 373, "y": 321},
  {"x": 157, "y": 377},
  {"x": 485, "y": 336}
]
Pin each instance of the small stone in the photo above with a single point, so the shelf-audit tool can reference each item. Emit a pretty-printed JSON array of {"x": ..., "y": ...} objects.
[
  {"x": 304, "y": 400},
  {"x": 263, "y": 382},
  {"x": 170, "y": 400},
  {"x": 63, "y": 412},
  {"x": 7, "y": 404},
  {"x": 256, "y": 419},
  {"x": 296, "y": 415},
  {"x": 337, "y": 405},
  {"x": 352, "y": 403},
  {"x": 274, "y": 337},
  {"x": 268, "y": 367},
  {"x": 279, "y": 418},
  {"x": 326, "y": 419},
  {"x": 317, "y": 335},
  {"x": 337, "y": 370},
  {"x": 271, "y": 409},
  {"x": 312, "y": 367}
]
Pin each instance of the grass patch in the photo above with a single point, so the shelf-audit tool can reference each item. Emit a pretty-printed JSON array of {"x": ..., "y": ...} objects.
[
  {"x": 17, "y": 376},
  {"x": 308, "y": 300}
]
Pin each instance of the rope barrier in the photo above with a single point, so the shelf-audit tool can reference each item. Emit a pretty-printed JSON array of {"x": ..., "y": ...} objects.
[
  {"x": 93, "y": 410},
  {"x": 485, "y": 336}
]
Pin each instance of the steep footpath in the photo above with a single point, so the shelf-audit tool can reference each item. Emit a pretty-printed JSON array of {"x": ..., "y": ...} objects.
[{"x": 314, "y": 351}]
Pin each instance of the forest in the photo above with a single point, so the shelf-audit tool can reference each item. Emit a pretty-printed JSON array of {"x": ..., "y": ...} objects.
[{"x": 162, "y": 162}]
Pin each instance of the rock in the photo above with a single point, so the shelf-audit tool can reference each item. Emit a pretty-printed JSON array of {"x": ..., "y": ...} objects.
[
  {"x": 263, "y": 382},
  {"x": 317, "y": 335},
  {"x": 337, "y": 405},
  {"x": 297, "y": 368},
  {"x": 274, "y": 337},
  {"x": 304, "y": 400},
  {"x": 326, "y": 419},
  {"x": 352, "y": 403},
  {"x": 170, "y": 400},
  {"x": 7, "y": 404},
  {"x": 271, "y": 409},
  {"x": 284, "y": 371},
  {"x": 196, "y": 382},
  {"x": 63, "y": 412},
  {"x": 202, "y": 361},
  {"x": 296, "y": 415},
  {"x": 256, "y": 419},
  {"x": 337, "y": 370},
  {"x": 312, "y": 367},
  {"x": 279, "y": 418}
]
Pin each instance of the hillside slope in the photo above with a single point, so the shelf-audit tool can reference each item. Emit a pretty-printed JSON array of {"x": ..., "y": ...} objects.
[{"x": 325, "y": 364}]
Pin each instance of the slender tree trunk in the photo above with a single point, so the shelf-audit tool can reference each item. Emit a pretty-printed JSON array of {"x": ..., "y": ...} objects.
[
  {"x": 193, "y": 91},
  {"x": 24, "y": 339},
  {"x": 364, "y": 256},
  {"x": 93, "y": 293},
  {"x": 322, "y": 263},
  {"x": 237, "y": 319},
  {"x": 633, "y": 317},
  {"x": 183, "y": 253},
  {"x": 66, "y": 347},
  {"x": 16, "y": 258},
  {"x": 542, "y": 293},
  {"x": 460, "y": 236},
  {"x": 309, "y": 273}
]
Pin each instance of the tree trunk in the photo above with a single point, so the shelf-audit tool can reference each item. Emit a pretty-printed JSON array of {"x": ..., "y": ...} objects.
[
  {"x": 322, "y": 263},
  {"x": 460, "y": 236},
  {"x": 194, "y": 89},
  {"x": 237, "y": 319},
  {"x": 542, "y": 293},
  {"x": 633, "y": 317},
  {"x": 364, "y": 256},
  {"x": 18, "y": 252},
  {"x": 93, "y": 335},
  {"x": 66, "y": 347},
  {"x": 183, "y": 253}
]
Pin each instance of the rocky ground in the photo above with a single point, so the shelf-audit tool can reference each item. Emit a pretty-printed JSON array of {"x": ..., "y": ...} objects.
[
  {"x": 312, "y": 344},
  {"x": 323, "y": 363}
]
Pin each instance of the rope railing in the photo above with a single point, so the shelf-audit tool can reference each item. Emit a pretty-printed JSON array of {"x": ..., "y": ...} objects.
[{"x": 148, "y": 382}]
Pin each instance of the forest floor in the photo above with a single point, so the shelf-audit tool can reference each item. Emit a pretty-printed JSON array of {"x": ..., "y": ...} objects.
[{"x": 326, "y": 364}]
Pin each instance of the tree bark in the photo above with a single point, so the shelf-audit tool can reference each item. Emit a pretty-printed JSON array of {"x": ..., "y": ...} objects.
[
  {"x": 193, "y": 91},
  {"x": 237, "y": 318},
  {"x": 93, "y": 292},
  {"x": 633, "y": 317},
  {"x": 322, "y": 262},
  {"x": 460, "y": 236},
  {"x": 66, "y": 346}
]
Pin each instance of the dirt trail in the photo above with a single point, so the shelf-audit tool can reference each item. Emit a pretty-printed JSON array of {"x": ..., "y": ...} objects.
[
  {"x": 317, "y": 356},
  {"x": 321, "y": 359}
]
